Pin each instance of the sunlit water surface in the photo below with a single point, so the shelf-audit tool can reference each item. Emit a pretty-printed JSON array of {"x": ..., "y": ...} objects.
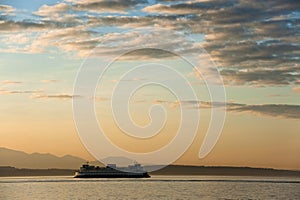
[{"x": 157, "y": 187}]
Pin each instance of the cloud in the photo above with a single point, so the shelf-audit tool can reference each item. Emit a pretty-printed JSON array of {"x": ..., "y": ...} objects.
[
  {"x": 250, "y": 45},
  {"x": 106, "y": 6},
  {"x": 296, "y": 89},
  {"x": 127, "y": 80},
  {"x": 148, "y": 54},
  {"x": 13, "y": 26},
  {"x": 162, "y": 21},
  {"x": 71, "y": 39},
  {"x": 7, "y": 82},
  {"x": 20, "y": 91},
  {"x": 272, "y": 110},
  {"x": 46, "y": 10},
  {"x": 146, "y": 44},
  {"x": 188, "y": 7},
  {"x": 242, "y": 35},
  {"x": 161, "y": 8},
  {"x": 100, "y": 99},
  {"x": 49, "y": 81},
  {"x": 276, "y": 95},
  {"x": 60, "y": 14},
  {"x": 134, "y": 101},
  {"x": 249, "y": 40},
  {"x": 195, "y": 104},
  {"x": 261, "y": 77},
  {"x": 54, "y": 96},
  {"x": 6, "y": 10}
]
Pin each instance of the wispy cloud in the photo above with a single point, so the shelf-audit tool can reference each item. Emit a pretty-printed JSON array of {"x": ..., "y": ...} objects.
[
  {"x": 296, "y": 89},
  {"x": 273, "y": 110},
  {"x": 100, "y": 99},
  {"x": 189, "y": 7},
  {"x": 46, "y": 10},
  {"x": 49, "y": 81},
  {"x": 17, "y": 26},
  {"x": 7, "y": 82},
  {"x": 127, "y": 80},
  {"x": 261, "y": 76},
  {"x": 6, "y": 10},
  {"x": 54, "y": 96},
  {"x": 20, "y": 91},
  {"x": 106, "y": 6}
]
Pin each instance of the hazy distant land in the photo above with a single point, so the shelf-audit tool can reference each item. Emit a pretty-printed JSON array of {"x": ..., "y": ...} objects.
[
  {"x": 223, "y": 171},
  {"x": 169, "y": 170},
  {"x": 12, "y": 171},
  {"x": 20, "y": 159},
  {"x": 18, "y": 163}
]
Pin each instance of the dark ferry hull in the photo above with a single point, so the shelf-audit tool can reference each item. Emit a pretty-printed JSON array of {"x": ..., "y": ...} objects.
[{"x": 125, "y": 175}]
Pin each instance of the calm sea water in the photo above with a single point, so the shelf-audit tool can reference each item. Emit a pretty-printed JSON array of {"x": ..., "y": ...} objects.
[{"x": 157, "y": 187}]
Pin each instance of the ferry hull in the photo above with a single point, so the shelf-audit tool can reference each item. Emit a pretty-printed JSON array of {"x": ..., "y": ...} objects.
[{"x": 121, "y": 175}]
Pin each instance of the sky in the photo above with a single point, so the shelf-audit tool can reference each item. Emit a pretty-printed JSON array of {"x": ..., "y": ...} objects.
[{"x": 251, "y": 48}]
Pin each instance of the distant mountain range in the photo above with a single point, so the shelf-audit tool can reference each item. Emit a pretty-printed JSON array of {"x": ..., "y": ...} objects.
[
  {"x": 19, "y": 159},
  {"x": 18, "y": 163}
]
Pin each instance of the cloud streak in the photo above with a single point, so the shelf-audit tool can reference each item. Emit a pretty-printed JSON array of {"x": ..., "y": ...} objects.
[
  {"x": 49, "y": 81},
  {"x": 8, "y": 82},
  {"x": 20, "y": 91},
  {"x": 272, "y": 110},
  {"x": 106, "y": 6},
  {"x": 55, "y": 96}
]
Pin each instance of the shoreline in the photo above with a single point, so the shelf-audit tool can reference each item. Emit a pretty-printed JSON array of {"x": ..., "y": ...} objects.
[{"x": 172, "y": 170}]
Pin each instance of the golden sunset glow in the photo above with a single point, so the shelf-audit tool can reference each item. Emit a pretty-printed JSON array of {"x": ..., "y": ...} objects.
[{"x": 43, "y": 46}]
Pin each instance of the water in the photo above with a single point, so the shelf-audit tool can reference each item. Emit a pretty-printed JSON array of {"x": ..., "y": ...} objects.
[{"x": 157, "y": 187}]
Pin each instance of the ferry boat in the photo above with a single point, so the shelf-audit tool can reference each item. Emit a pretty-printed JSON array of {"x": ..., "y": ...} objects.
[{"x": 111, "y": 171}]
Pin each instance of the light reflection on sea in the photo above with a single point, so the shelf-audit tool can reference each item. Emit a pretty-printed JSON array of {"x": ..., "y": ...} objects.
[{"x": 157, "y": 187}]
